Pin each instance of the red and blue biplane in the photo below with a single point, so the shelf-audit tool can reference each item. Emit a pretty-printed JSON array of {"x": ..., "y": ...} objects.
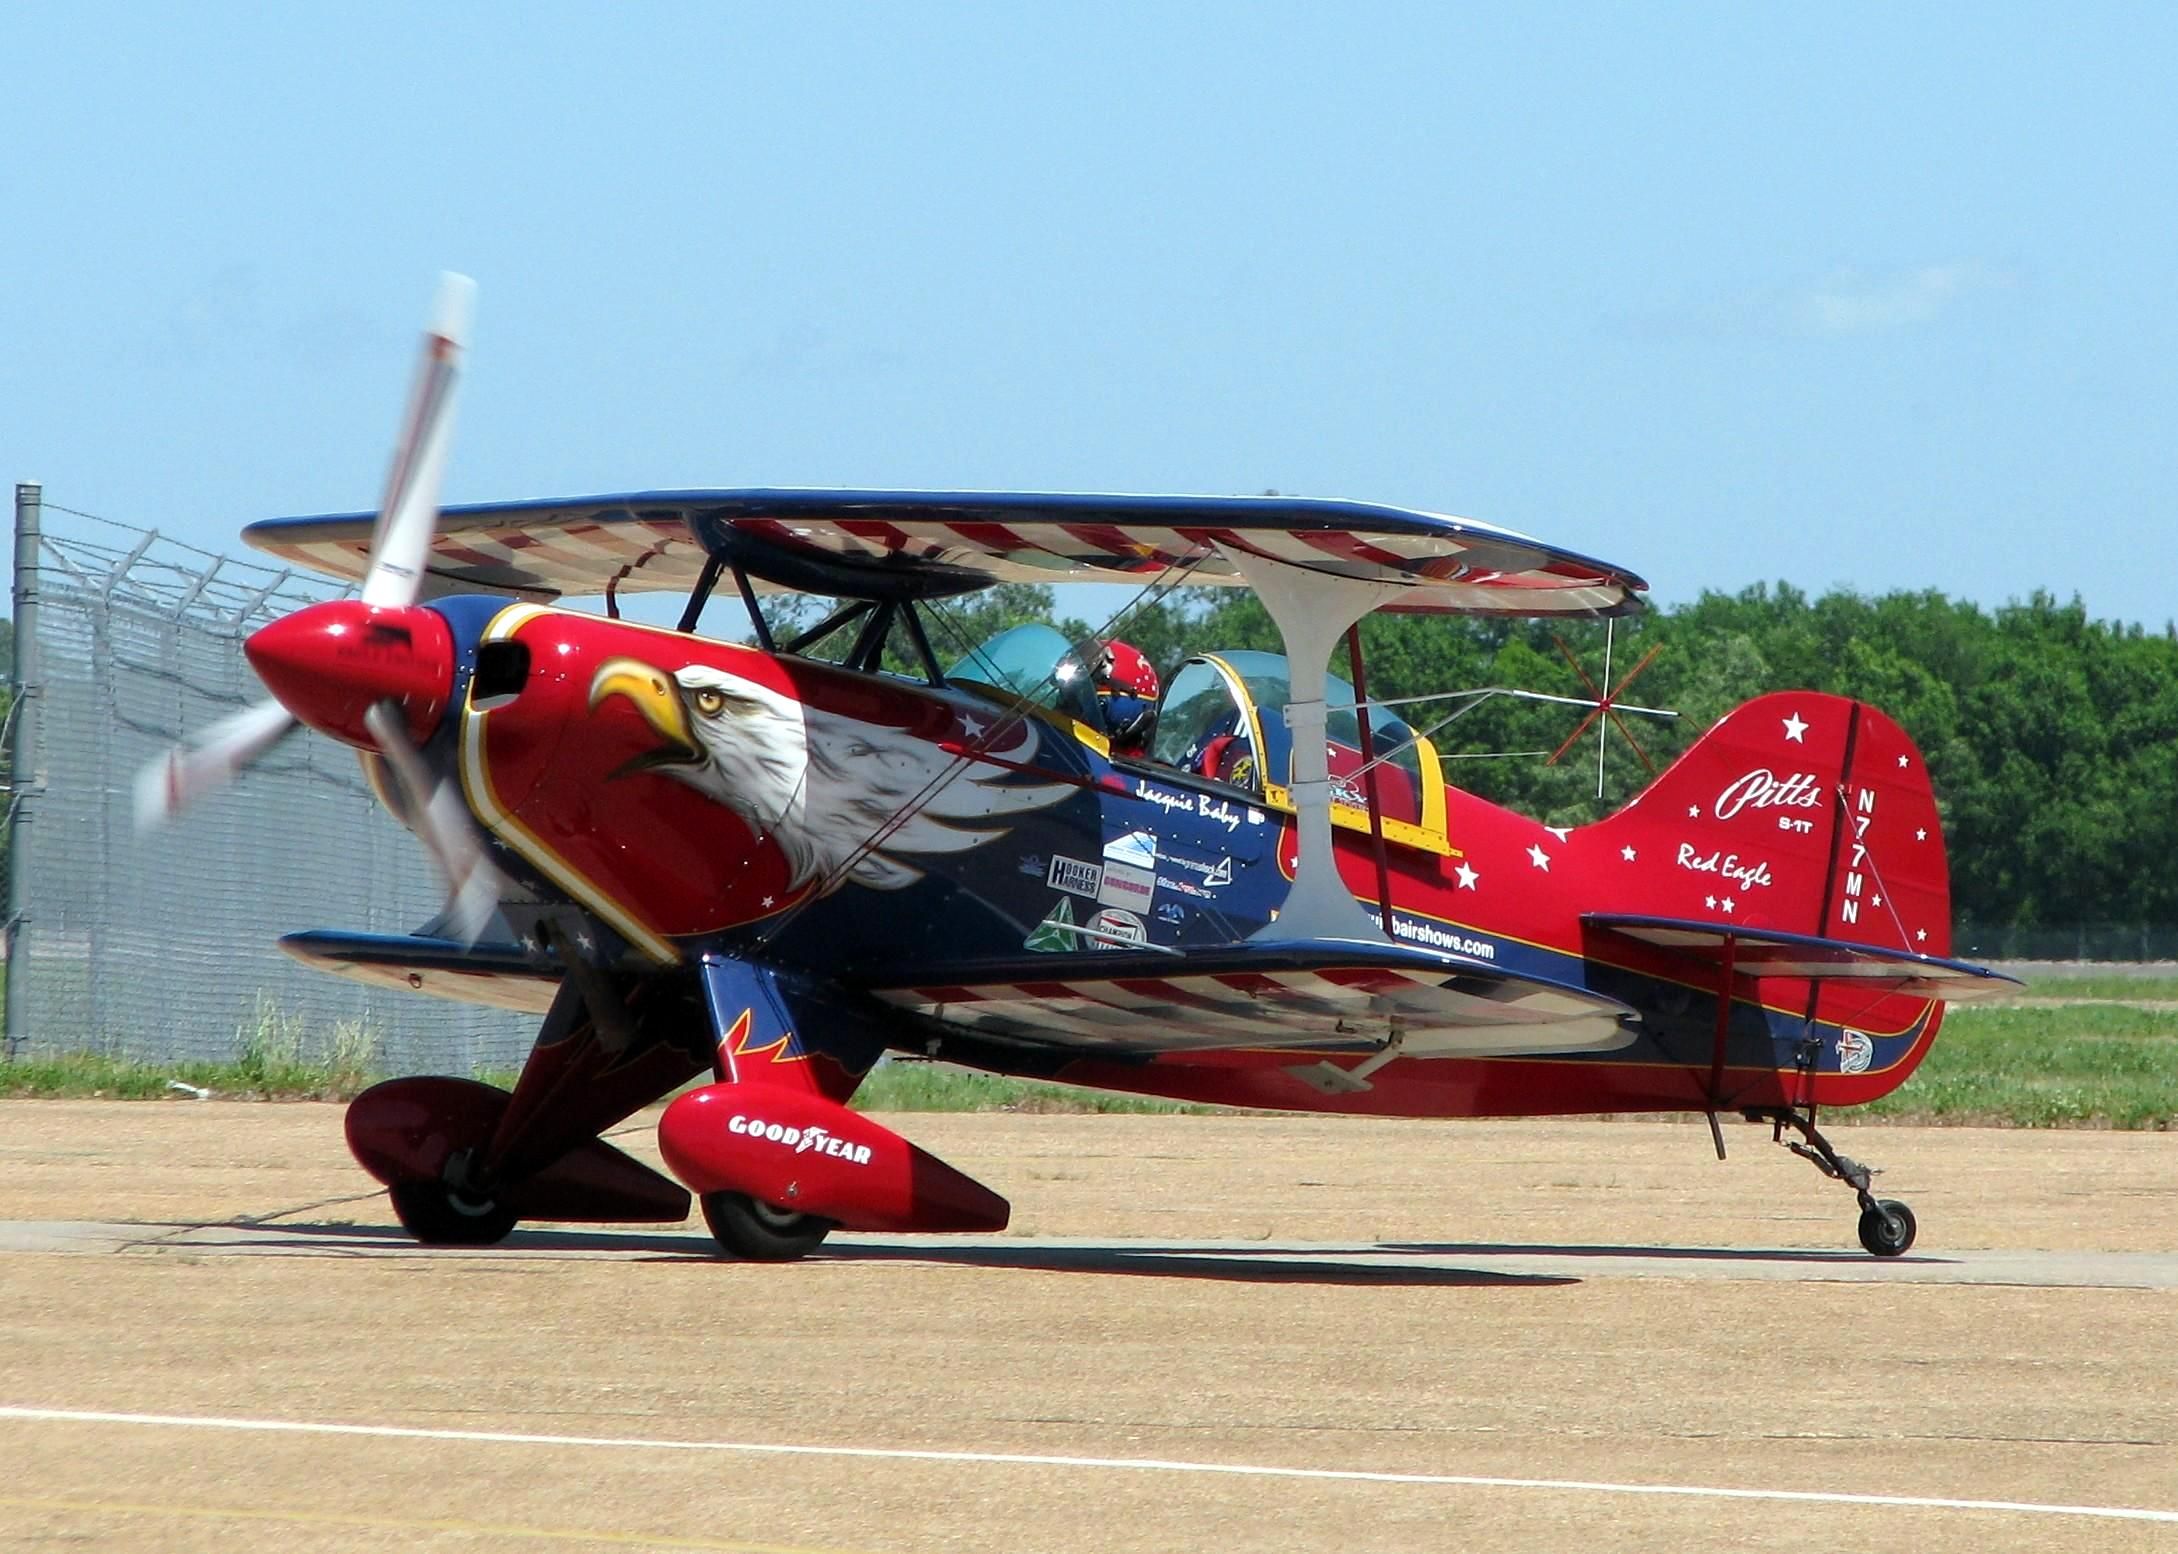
[{"x": 690, "y": 855}]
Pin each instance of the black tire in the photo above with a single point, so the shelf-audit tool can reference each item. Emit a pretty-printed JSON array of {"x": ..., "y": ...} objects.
[
  {"x": 749, "y": 1228},
  {"x": 1888, "y": 1229},
  {"x": 436, "y": 1215}
]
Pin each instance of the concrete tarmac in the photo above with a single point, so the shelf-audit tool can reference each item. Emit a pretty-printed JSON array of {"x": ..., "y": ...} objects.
[{"x": 1228, "y": 1332}]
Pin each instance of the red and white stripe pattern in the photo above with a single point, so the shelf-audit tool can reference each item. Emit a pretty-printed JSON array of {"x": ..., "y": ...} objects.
[
  {"x": 1448, "y": 577},
  {"x": 578, "y": 548},
  {"x": 580, "y": 557},
  {"x": 1335, "y": 1007}
]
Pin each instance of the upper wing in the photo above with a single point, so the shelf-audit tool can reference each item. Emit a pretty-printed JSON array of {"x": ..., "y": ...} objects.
[
  {"x": 661, "y": 539},
  {"x": 1316, "y": 995}
]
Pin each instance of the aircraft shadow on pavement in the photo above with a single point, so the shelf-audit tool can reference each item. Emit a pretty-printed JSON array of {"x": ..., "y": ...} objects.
[
  {"x": 1722, "y": 1254},
  {"x": 1236, "y": 1264}
]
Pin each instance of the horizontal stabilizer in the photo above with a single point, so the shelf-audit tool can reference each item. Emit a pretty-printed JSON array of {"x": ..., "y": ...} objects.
[
  {"x": 1313, "y": 995},
  {"x": 499, "y": 975},
  {"x": 1774, "y": 953}
]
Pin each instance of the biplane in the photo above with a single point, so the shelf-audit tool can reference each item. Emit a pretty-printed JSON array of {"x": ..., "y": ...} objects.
[{"x": 773, "y": 863}]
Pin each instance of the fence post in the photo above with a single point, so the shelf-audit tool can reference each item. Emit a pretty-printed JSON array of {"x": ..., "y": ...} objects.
[{"x": 23, "y": 770}]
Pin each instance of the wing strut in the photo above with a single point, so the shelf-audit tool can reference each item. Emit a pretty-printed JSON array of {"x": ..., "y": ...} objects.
[
  {"x": 1312, "y": 610},
  {"x": 1368, "y": 774}
]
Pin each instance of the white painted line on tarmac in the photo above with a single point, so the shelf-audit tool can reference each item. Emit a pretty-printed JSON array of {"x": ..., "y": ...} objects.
[{"x": 1113, "y": 1464}]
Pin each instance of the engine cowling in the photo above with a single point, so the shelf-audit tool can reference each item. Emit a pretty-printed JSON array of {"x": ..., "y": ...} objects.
[{"x": 800, "y": 1151}]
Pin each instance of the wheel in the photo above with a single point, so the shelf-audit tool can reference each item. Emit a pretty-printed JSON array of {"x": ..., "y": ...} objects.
[
  {"x": 1888, "y": 1229},
  {"x": 750, "y": 1228},
  {"x": 437, "y": 1215}
]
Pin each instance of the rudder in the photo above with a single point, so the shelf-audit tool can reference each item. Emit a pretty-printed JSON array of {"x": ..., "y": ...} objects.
[{"x": 1800, "y": 812}]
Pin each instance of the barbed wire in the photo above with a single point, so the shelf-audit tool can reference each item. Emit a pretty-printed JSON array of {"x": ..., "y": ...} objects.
[{"x": 214, "y": 589}]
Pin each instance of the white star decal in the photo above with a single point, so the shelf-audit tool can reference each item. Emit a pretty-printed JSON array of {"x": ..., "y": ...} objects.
[
  {"x": 1903, "y": 763},
  {"x": 1538, "y": 857},
  {"x": 1467, "y": 877},
  {"x": 1710, "y": 902},
  {"x": 1728, "y": 905},
  {"x": 1693, "y": 812},
  {"x": 1875, "y": 901},
  {"x": 1795, "y": 726},
  {"x": 1626, "y": 853},
  {"x": 1920, "y": 836},
  {"x": 767, "y": 901},
  {"x": 1919, "y": 934},
  {"x": 1556, "y": 831},
  {"x": 971, "y": 725}
]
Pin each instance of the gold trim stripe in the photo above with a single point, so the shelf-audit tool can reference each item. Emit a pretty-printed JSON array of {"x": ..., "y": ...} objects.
[{"x": 476, "y": 786}]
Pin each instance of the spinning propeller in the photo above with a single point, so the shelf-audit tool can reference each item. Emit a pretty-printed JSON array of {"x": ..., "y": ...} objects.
[{"x": 377, "y": 671}]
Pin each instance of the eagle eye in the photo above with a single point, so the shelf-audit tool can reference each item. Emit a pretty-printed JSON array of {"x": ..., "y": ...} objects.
[{"x": 710, "y": 703}]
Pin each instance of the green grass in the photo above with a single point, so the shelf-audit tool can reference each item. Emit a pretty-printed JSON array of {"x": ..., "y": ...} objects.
[
  {"x": 274, "y": 1060},
  {"x": 2079, "y": 1065},
  {"x": 2035, "y": 1065},
  {"x": 85, "y": 1075}
]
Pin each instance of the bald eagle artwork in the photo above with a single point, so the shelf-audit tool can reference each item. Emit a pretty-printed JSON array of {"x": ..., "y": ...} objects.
[{"x": 842, "y": 799}]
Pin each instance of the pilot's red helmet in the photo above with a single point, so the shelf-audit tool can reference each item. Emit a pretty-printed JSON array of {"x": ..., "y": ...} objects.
[
  {"x": 1127, "y": 690},
  {"x": 1123, "y": 670}
]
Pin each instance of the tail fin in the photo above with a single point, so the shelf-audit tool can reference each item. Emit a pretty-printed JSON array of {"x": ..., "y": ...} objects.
[{"x": 1798, "y": 813}]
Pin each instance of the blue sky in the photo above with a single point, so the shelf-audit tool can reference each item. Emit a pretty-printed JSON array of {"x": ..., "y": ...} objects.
[{"x": 1868, "y": 295}]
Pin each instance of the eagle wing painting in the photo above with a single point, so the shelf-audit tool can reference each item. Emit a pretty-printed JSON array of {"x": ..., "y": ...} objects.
[{"x": 841, "y": 798}]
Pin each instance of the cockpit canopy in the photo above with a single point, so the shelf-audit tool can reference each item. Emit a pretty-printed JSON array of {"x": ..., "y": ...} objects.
[{"x": 1222, "y": 717}]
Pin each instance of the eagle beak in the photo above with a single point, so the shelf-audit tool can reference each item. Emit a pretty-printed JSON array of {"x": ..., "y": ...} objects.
[{"x": 658, "y": 699}]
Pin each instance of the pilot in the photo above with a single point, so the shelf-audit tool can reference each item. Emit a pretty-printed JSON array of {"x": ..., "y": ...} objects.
[
  {"x": 1126, "y": 696},
  {"x": 1120, "y": 694}
]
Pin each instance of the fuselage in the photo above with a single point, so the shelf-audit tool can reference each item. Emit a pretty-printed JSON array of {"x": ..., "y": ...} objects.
[{"x": 695, "y": 795}]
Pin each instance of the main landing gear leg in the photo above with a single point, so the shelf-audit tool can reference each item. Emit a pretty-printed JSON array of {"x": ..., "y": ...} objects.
[{"x": 1887, "y": 1226}]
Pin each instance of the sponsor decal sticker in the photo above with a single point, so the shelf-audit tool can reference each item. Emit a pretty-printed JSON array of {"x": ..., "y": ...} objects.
[
  {"x": 1120, "y": 925},
  {"x": 1052, "y": 936},
  {"x": 1195, "y": 877},
  {"x": 1136, "y": 849},
  {"x": 1181, "y": 887},
  {"x": 1212, "y": 874},
  {"x": 1855, "y": 1051},
  {"x": 802, "y": 1141},
  {"x": 1128, "y": 887},
  {"x": 1130, "y": 871},
  {"x": 1076, "y": 877}
]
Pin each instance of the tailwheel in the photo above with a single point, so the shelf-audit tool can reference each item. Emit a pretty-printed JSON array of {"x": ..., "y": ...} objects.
[
  {"x": 752, "y": 1229},
  {"x": 438, "y": 1213},
  {"x": 1887, "y": 1229},
  {"x": 1887, "y": 1226}
]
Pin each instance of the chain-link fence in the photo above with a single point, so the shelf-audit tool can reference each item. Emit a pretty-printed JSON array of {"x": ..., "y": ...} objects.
[
  {"x": 2128, "y": 943},
  {"x": 160, "y": 947}
]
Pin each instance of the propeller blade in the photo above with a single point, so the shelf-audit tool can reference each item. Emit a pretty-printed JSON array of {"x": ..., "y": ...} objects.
[
  {"x": 442, "y": 822},
  {"x": 411, "y": 508},
  {"x": 167, "y": 786}
]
